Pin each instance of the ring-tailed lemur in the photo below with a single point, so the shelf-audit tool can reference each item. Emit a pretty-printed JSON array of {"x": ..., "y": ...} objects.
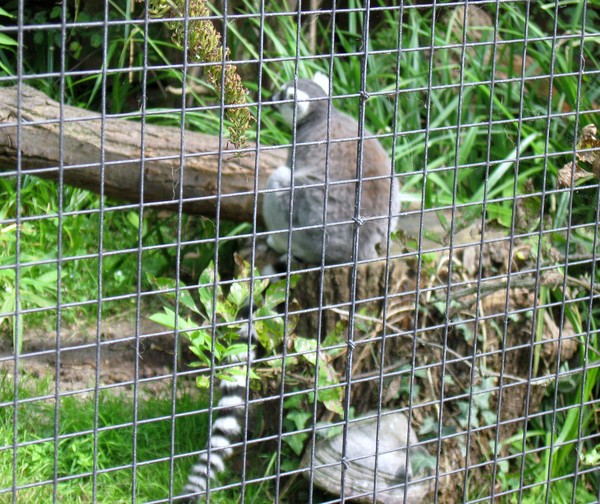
[
  {"x": 226, "y": 429},
  {"x": 310, "y": 99},
  {"x": 316, "y": 134}
]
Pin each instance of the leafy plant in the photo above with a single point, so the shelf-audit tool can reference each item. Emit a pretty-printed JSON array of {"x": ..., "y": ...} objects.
[
  {"x": 8, "y": 44},
  {"x": 216, "y": 340},
  {"x": 35, "y": 290},
  {"x": 218, "y": 335}
]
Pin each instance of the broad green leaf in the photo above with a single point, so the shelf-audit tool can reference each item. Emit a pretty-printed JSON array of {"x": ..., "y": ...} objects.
[
  {"x": 296, "y": 442},
  {"x": 6, "y": 40},
  {"x": 186, "y": 299},
  {"x": 276, "y": 294},
  {"x": 166, "y": 319},
  {"x": 232, "y": 373},
  {"x": 206, "y": 290},
  {"x": 203, "y": 381},
  {"x": 306, "y": 347},
  {"x": 200, "y": 337},
  {"x": 299, "y": 417},
  {"x": 238, "y": 294},
  {"x": 259, "y": 288},
  {"x": 200, "y": 352},
  {"x": 331, "y": 397},
  {"x": 169, "y": 285},
  {"x": 239, "y": 349},
  {"x": 269, "y": 330},
  {"x": 226, "y": 310},
  {"x": 134, "y": 219}
]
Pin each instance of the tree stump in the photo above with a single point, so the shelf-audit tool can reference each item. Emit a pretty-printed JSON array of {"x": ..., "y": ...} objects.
[
  {"x": 327, "y": 294},
  {"x": 470, "y": 349}
]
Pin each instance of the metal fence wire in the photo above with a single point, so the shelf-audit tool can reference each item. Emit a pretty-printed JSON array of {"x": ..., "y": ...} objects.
[{"x": 295, "y": 251}]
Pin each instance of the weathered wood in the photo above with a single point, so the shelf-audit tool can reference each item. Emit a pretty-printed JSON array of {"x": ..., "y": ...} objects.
[
  {"x": 372, "y": 284},
  {"x": 85, "y": 136}
]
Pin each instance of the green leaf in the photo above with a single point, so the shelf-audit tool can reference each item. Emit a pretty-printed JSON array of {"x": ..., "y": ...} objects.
[
  {"x": 32, "y": 299},
  {"x": 259, "y": 288},
  {"x": 334, "y": 405},
  {"x": 56, "y": 12},
  {"x": 330, "y": 397},
  {"x": 300, "y": 418},
  {"x": 6, "y": 14},
  {"x": 6, "y": 40},
  {"x": 8, "y": 305},
  {"x": 8, "y": 273},
  {"x": 276, "y": 294},
  {"x": 237, "y": 349},
  {"x": 186, "y": 299},
  {"x": 238, "y": 294},
  {"x": 293, "y": 402},
  {"x": 200, "y": 352},
  {"x": 200, "y": 338},
  {"x": 169, "y": 285},
  {"x": 49, "y": 277},
  {"x": 296, "y": 442},
  {"x": 268, "y": 330},
  {"x": 232, "y": 374},
  {"x": 203, "y": 381},
  {"x": 306, "y": 347},
  {"x": 134, "y": 219},
  {"x": 166, "y": 319},
  {"x": 206, "y": 290},
  {"x": 227, "y": 311}
]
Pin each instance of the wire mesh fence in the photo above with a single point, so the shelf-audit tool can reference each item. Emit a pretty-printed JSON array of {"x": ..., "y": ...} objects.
[{"x": 299, "y": 251}]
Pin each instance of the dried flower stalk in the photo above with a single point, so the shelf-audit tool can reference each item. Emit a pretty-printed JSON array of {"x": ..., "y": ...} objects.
[{"x": 204, "y": 46}]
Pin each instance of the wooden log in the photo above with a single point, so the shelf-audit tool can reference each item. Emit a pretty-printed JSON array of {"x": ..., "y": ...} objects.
[{"x": 87, "y": 136}]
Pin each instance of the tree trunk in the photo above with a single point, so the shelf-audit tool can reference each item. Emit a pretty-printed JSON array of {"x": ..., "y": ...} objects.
[
  {"x": 85, "y": 148},
  {"x": 373, "y": 281}
]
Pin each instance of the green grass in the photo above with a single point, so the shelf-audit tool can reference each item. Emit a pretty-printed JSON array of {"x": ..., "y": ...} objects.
[
  {"x": 432, "y": 165},
  {"x": 552, "y": 444},
  {"x": 75, "y": 451},
  {"x": 113, "y": 445},
  {"x": 80, "y": 242}
]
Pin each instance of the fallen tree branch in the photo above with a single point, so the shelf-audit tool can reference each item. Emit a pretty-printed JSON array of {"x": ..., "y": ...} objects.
[{"x": 85, "y": 136}]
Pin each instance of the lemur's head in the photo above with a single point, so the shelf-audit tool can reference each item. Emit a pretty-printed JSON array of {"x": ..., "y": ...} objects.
[{"x": 306, "y": 96}]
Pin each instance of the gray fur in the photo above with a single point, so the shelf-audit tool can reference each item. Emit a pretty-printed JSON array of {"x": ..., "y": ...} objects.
[
  {"x": 308, "y": 228},
  {"x": 310, "y": 170}
]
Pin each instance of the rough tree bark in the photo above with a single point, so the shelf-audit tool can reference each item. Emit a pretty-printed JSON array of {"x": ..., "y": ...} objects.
[{"x": 85, "y": 136}]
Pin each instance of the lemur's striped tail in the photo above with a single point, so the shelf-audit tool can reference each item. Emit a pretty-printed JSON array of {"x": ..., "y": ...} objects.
[{"x": 226, "y": 429}]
